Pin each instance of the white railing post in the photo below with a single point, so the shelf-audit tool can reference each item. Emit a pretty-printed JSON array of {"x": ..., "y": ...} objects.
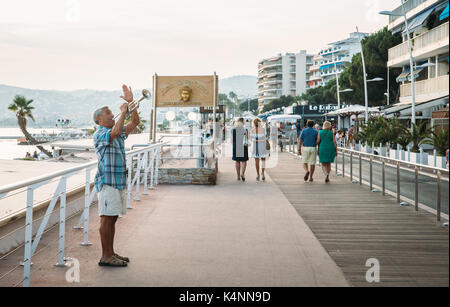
[
  {"x": 129, "y": 166},
  {"x": 62, "y": 224},
  {"x": 146, "y": 169},
  {"x": 157, "y": 162},
  {"x": 421, "y": 156},
  {"x": 88, "y": 197},
  {"x": 137, "y": 177},
  {"x": 409, "y": 155},
  {"x": 152, "y": 168},
  {"x": 28, "y": 238}
]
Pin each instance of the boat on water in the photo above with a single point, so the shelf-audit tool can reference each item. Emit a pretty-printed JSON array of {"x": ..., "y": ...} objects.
[{"x": 45, "y": 137}]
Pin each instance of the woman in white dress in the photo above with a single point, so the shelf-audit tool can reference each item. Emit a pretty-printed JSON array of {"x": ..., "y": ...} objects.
[{"x": 258, "y": 136}]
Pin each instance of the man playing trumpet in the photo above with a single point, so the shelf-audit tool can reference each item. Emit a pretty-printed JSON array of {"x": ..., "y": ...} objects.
[{"x": 111, "y": 178}]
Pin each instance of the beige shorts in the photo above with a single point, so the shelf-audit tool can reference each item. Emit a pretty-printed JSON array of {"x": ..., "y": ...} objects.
[
  {"x": 309, "y": 155},
  {"x": 111, "y": 201}
]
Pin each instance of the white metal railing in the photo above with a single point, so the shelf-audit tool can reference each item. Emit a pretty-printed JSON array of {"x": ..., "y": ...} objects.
[
  {"x": 428, "y": 86},
  {"x": 426, "y": 39},
  {"x": 146, "y": 161},
  {"x": 373, "y": 158}
]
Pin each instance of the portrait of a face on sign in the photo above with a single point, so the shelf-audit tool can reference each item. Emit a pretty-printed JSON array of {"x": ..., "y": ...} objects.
[{"x": 186, "y": 91}]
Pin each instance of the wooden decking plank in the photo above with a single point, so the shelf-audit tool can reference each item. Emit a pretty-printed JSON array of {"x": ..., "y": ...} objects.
[{"x": 354, "y": 224}]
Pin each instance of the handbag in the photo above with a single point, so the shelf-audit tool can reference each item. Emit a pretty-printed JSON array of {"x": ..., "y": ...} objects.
[{"x": 267, "y": 145}]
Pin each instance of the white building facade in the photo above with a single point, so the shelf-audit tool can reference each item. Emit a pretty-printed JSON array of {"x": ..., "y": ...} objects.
[
  {"x": 283, "y": 75},
  {"x": 333, "y": 59},
  {"x": 429, "y": 33}
]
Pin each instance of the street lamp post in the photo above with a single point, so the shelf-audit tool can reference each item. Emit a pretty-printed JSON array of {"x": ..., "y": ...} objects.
[
  {"x": 366, "y": 97},
  {"x": 411, "y": 62},
  {"x": 337, "y": 85}
]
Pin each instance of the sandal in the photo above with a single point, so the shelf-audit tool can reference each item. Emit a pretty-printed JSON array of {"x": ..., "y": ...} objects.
[
  {"x": 126, "y": 259},
  {"x": 113, "y": 261}
]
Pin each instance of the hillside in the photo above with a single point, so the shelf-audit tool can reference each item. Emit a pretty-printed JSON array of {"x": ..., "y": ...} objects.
[{"x": 78, "y": 105}]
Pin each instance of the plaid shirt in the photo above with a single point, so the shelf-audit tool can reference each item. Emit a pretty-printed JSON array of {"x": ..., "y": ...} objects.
[{"x": 112, "y": 168}]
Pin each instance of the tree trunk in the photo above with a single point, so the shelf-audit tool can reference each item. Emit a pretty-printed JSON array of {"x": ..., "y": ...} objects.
[{"x": 22, "y": 124}]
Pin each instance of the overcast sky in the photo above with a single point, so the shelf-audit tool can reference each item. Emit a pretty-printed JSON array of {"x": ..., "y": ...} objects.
[{"x": 99, "y": 44}]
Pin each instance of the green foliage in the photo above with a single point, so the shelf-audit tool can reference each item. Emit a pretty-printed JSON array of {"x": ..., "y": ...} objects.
[
  {"x": 404, "y": 140},
  {"x": 439, "y": 140},
  {"x": 321, "y": 95},
  {"x": 382, "y": 130},
  {"x": 229, "y": 101},
  {"x": 283, "y": 101},
  {"x": 418, "y": 135},
  {"x": 22, "y": 107},
  {"x": 141, "y": 127},
  {"x": 243, "y": 106}
]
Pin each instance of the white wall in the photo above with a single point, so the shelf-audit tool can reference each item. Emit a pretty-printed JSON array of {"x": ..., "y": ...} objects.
[
  {"x": 286, "y": 62},
  {"x": 300, "y": 73}
]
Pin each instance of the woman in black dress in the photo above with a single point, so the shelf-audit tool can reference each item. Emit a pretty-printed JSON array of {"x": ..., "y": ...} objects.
[{"x": 240, "y": 147}]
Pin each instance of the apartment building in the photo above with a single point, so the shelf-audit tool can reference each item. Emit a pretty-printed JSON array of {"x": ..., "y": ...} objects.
[
  {"x": 283, "y": 75},
  {"x": 429, "y": 33},
  {"x": 333, "y": 59}
]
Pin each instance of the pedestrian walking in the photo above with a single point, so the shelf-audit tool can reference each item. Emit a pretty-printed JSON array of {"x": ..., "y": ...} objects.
[
  {"x": 307, "y": 148},
  {"x": 260, "y": 152},
  {"x": 327, "y": 149},
  {"x": 274, "y": 131},
  {"x": 240, "y": 137}
]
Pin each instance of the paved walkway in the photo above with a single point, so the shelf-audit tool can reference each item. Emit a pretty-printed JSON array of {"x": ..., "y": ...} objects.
[
  {"x": 354, "y": 225},
  {"x": 232, "y": 234}
]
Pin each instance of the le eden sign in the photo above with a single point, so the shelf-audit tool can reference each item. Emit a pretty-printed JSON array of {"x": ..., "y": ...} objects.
[{"x": 320, "y": 109}]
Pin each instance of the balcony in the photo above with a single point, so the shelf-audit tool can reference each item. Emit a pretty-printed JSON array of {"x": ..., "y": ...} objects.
[
  {"x": 426, "y": 89},
  {"x": 426, "y": 45},
  {"x": 409, "y": 6}
]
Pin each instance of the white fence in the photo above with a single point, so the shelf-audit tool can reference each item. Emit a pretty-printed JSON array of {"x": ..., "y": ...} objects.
[
  {"x": 422, "y": 158},
  {"x": 145, "y": 162}
]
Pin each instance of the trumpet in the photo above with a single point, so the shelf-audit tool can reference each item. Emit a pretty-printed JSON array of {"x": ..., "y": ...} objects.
[{"x": 135, "y": 103}]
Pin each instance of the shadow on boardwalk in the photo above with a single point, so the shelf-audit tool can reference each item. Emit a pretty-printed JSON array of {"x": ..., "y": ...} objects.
[{"x": 354, "y": 224}]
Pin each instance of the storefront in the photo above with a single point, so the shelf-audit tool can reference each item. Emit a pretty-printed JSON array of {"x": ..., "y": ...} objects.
[{"x": 316, "y": 112}]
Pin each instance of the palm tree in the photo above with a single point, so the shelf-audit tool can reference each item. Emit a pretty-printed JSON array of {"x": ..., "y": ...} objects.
[
  {"x": 418, "y": 135},
  {"x": 404, "y": 140},
  {"x": 439, "y": 140},
  {"x": 23, "y": 109}
]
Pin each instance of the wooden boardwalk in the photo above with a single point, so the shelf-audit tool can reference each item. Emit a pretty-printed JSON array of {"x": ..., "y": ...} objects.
[{"x": 354, "y": 224}]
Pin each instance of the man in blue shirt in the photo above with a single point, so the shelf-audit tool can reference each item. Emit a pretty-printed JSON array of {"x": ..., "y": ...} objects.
[
  {"x": 111, "y": 177},
  {"x": 307, "y": 148}
]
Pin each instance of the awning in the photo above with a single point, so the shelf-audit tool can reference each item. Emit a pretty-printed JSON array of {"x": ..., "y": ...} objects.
[
  {"x": 443, "y": 113},
  {"x": 444, "y": 14},
  {"x": 418, "y": 21},
  {"x": 443, "y": 58},
  {"x": 417, "y": 71},
  {"x": 402, "y": 77},
  {"x": 329, "y": 65}
]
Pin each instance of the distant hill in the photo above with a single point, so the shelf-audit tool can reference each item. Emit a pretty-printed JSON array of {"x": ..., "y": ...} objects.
[
  {"x": 78, "y": 105},
  {"x": 243, "y": 86}
]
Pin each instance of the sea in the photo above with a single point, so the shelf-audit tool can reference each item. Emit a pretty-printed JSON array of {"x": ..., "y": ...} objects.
[{"x": 9, "y": 150}]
